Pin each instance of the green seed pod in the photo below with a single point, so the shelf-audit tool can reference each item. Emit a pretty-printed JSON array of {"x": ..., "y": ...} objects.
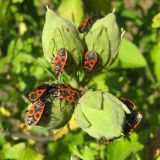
[
  {"x": 100, "y": 114},
  {"x": 59, "y": 112},
  {"x": 104, "y": 37},
  {"x": 56, "y": 114},
  {"x": 59, "y": 33}
]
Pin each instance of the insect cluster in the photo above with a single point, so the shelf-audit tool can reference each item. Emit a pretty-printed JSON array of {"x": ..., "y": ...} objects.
[
  {"x": 63, "y": 91},
  {"x": 64, "y": 58},
  {"x": 39, "y": 97}
]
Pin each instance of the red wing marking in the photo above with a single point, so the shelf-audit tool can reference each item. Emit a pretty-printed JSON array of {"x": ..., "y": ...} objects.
[
  {"x": 35, "y": 112},
  {"x": 38, "y": 92},
  {"x": 69, "y": 95},
  {"x": 90, "y": 60},
  {"x": 59, "y": 61}
]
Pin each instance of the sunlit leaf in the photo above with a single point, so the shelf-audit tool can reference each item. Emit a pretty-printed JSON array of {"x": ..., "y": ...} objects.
[
  {"x": 19, "y": 151},
  {"x": 122, "y": 148},
  {"x": 130, "y": 56},
  {"x": 23, "y": 57},
  {"x": 60, "y": 33},
  {"x": 2, "y": 138},
  {"x": 86, "y": 153},
  {"x": 155, "y": 55},
  {"x": 72, "y": 10},
  {"x": 4, "y": 111},
  {"x": 109, "y": 112},
  {"x": 156, "y": 21},
  {"x": 17, "y": 1}
]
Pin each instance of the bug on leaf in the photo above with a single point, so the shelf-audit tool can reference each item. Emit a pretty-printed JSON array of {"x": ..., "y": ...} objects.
[
  {"x": 63, "y": 86},
  {"x": 59, "y": 61},
  {"x": 84, "y": 24},
  {"x": 133, "y": 119},
  {"x": 90, "y": 60},
  {"x": 38, "y": 92},
  {"x": 34, "y": 114},
  {"x": 69, "y": 95}
]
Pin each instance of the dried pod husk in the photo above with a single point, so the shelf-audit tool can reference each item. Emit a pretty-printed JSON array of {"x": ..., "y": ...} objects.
[
  {"x": 56, "y": 114},
  {"x": 59, "y": 33},
  {"x": 103, "y": 116},
  {"x": 104, "y": 37}
]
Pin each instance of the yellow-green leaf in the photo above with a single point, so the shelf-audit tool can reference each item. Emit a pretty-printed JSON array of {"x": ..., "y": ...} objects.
[
  {"x": 156, "y": 21},
  {"x": 72, "y": 10},
  {"x": 130, "y": 56}
]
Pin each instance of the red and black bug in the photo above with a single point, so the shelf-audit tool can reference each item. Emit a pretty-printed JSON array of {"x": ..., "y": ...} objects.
[
  {"x": 34, "y": 114},
  {"x": 59, "y": 61},
  {"x": 38, "y": 92},
  {"x": 131, "y": 106},
  {"x": 56, "y": 87},
  {"x": 63, "y": 86},
  {"x": 90, "y": 60},
  {"x": 133, "y": 119},
  {"x": 84, "y": 24},
  {"x": 69, "y": 95}
]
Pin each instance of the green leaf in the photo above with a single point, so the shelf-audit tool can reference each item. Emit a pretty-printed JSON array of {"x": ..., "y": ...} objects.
[
  {"x": 57, "y": 114},
  {"x": 11, "y": 49},
  {"x": 41, "y": 61},
  {"x": 17, "y": 1},
  {"x": 106, "y": 32},
  {"x": 60, "y": 33},
  {"x": 19, "y": 151},
  {"x": 99, "y": 35},
  {"x": 3, "y": 61},
  {"x": 72, "y": 10},
  {"x": 14, "y": 47},
  {"x": 158, "y": 158},
  {"x": 86, "y": 153},
  {"x": 31, "y": 155},
  {"x": 82, "y": 120},
  {"x": 122, "y": 148},
  {"x": 109, "y": 112},
  {"x": 130, "y": 56},
  {"x": 99, "y": 81},
  {"x": 113, "y": 33},
  {"x": 1, "y": 122},
  {"x": 155, "y": 55},
  {"x": 2, "y": 138},
  {"x": 22, "y": 57},
  {"x": 129, "y": 14},
  {"x": 156, "y": 21}
]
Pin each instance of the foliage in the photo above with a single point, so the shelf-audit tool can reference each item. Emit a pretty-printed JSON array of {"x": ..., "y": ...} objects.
[{"x": 135, "y": 75}]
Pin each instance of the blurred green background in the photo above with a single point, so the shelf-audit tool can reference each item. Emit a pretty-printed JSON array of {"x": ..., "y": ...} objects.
[{"x": 135, "y": 75}]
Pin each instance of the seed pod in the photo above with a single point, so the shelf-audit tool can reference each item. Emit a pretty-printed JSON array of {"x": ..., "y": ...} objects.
[
  {"x": 104, "y": 37},
  {"x": 56, "y": 114},
  {"x": 59, "y": 33},
  {"x": 103, "y": 116}
]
